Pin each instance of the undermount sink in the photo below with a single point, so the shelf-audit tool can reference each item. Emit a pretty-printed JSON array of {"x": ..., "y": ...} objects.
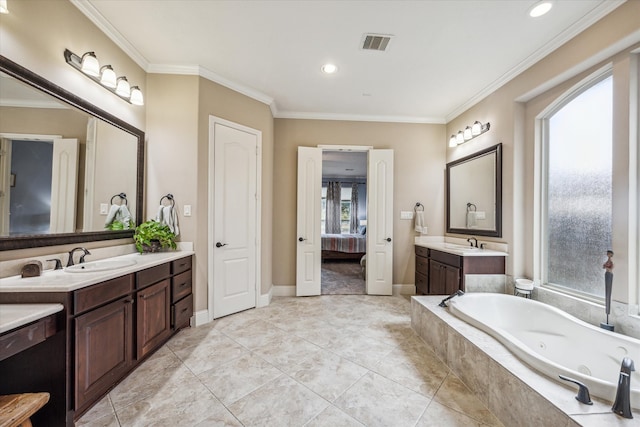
[{"x": 102, "y": 265}]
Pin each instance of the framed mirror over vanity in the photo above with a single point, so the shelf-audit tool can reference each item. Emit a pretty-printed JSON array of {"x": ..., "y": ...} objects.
[
  {"x": 68, "y": 162},
  {"x": 474, "y": 193}
]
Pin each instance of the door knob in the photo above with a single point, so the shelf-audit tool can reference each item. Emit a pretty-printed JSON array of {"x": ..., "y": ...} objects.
[
  {"x": 301, "y": 239},
  {"x": 388, "y": 239},
  {"x": 219, "y": 245}
]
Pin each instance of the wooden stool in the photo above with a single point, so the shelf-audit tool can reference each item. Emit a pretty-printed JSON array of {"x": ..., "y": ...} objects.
[{"x": 16, "y": 409}]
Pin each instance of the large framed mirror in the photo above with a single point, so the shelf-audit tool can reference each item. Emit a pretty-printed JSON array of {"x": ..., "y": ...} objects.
[
  {"x": 474, "y": 193},
  {"x": 69, "y": 166}
]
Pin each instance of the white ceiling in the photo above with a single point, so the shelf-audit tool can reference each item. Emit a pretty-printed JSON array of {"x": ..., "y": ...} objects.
[{"x": 445, "y": 55}]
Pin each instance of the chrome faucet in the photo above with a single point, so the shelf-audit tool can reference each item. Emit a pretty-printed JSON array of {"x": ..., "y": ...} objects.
[
  {"x": 443, "y": 303},
  {"x": 473, "y": 244},
  {"x": 70, "y": 262},
  {"x": 622, "y": 404}
]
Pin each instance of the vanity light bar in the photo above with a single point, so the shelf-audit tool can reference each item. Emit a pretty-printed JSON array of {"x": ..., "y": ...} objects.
[
  {"x": 88, "y": 65},
  {"x": 469, "y": 133}
]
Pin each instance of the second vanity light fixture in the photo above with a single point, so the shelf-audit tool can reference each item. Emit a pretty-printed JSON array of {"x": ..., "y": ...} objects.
[
  {"x": 88, "y": 65},
  {"x": 469, "y": 133}
]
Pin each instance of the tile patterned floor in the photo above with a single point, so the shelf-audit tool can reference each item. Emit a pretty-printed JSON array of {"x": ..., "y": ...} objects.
[{"x": 333, "y": 361}]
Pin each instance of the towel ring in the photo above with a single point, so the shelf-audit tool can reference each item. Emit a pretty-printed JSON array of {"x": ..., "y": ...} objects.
[
  {"x": 170, "y": 198},
  {"x": 122, "y": 197},
  {"x": 469, "y": 205},
  {"x": 419, "y": 207}
]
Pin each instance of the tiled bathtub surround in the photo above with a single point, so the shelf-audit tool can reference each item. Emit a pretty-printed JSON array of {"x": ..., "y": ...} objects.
[
  {"x": 592, "y": 313},
  {"x": 515, "y": 393},
  {"x": 313, "y": 361}
]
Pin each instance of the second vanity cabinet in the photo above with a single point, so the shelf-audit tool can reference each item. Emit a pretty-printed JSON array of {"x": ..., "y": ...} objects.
[{"x": 443, "y": 273}]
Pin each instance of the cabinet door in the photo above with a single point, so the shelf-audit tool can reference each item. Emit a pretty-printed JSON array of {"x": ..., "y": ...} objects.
[
  {"x": 436, "y": 278},
  {"x": 153, "y": 323},
  {"x": 103, "y": 351},
  {"x": 451, "y": 279}
]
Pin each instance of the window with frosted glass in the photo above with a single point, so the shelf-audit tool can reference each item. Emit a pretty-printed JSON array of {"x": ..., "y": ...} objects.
[{"x": 579, "y": 190}]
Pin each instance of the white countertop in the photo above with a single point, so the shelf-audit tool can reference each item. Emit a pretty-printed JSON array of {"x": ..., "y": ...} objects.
[
  {"x": 454, "y": 248},
  {"x": 13, "y": 316},
  {"x": 61, "y": 281}
]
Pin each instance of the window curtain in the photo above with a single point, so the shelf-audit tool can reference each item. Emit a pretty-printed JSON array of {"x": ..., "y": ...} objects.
[
  {"x": 332, "y": 224},
  {"x": 353, "y": 224}
]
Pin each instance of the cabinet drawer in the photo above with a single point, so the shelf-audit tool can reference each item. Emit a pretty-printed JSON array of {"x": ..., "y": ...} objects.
[
  {"x": 181, "y": 312},
  {"x": 422, "y": 265},
  {"x": 102, "y": 293},
  {"x": 180, "y": 265},
  {"x": 152, "y": 275},
  {"x": 445, "y": 258},
  {"x": 422, "y": 251},
  {"x": 180, "y": 286},
  {"x": 27, "y": 336}
]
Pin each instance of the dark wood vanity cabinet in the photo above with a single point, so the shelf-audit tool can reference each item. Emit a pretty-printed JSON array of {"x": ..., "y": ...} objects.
[
  {"x": 443, "y": 273},
  {"x": 153, "y": 325}
]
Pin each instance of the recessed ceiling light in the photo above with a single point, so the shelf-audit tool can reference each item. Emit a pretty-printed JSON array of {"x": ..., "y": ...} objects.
[
  {"x": 329, "y": 68},
  {"x": 540, "y": 8}
]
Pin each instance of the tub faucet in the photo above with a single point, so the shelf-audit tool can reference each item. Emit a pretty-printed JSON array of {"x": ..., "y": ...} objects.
[
  {"x": 443, "y": 303},
  {"x": 70, "y": 262},
  {"x": 473, "y": 242},
  {"x": 622, "y": 404}
]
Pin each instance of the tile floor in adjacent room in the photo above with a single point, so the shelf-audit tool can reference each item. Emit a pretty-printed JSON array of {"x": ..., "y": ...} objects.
[{"x": 335, "y": 360}]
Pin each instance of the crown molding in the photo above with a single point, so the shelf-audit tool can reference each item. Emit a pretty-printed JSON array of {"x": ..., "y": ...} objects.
[
  {"x": 105, "y": 26},
  {"x": 585, "y": 22},
  {"x": 359, "y": 117}
]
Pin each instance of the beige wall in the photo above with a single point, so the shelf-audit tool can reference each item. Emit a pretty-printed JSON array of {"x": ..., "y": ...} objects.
[
  {"x": 418, "y": 177},
  {"x": 512, "y": 110}
]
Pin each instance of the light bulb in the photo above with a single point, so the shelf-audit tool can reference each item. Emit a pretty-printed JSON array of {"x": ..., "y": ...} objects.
[
  {"x": 123, "y": 89},
  {"x": 467, "y": 133},
  {"x": 90, "y": 64},
  {"x": 329, "y": 68},
  {"x": 108, "y": 77},
  {"x": 136, "y": 96},
  {"x": 476, "y": 129}
]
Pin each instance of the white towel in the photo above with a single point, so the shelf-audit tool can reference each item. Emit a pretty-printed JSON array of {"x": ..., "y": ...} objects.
[
  {"x": 111, "y": 216},
  {"x": 419, "y": 218},
  {"x": 124, "y": 216},
  {"x": 471, "y": 219},
  {"x": 168, "y": 216}
]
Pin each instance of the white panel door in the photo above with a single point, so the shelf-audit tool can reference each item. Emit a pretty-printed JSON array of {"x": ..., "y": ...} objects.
[
  {"x": 380, "y": 223},
  {"x": 234, "y": 243},
  {"x": 64, "y": 178},
  {"x": 308, "y": 254}
]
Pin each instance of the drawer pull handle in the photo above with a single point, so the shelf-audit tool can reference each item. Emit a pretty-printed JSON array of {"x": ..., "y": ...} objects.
[{"x": 184, "y": 310}]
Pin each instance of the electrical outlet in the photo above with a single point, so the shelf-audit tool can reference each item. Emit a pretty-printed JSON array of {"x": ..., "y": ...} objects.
[
  {"x": 104, "y": 208},
  {"x": 187, "y": 210},
  {"x": 480, "y": 215},
  {"x": 406, "y": 215}
]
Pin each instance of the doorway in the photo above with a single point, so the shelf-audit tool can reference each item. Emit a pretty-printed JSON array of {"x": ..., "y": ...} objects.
[
  {"x": 379, "y": 222},
  {"x": 234, "y": 217},
  {"x": 343, "y": 218}
]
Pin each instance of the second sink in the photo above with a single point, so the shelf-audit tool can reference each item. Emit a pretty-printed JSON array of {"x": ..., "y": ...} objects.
[{"x": 102, "y": 265}]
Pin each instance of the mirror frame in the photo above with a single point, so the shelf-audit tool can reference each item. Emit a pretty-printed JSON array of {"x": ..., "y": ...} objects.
[
  {"x": 38, "y": 240},
  {"x": 497, "y": 232}
]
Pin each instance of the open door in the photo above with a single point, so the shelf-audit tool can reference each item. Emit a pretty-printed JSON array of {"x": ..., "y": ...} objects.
[
  {"x": 380, "y": 223},
  {"x": 63, "y": 185},
  {"x": 308, "y": 253}
]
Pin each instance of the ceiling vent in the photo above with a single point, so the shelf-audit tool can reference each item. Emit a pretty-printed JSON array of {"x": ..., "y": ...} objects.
[{"x": 377, "y": 42}]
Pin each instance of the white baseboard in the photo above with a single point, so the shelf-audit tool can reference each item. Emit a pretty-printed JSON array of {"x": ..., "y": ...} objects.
[
  {"x": 265, "y": 299},
  {"x": 404, "y": 289},
  {"x": 284, "y": 290},
  {"x": 200, "y": 318}
]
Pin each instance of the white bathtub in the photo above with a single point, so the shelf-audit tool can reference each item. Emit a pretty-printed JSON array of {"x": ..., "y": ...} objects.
[{"x": 553, "y": 342}]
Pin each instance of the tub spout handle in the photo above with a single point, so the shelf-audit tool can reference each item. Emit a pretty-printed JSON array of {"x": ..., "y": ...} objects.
[{"x": 583, "y": 392}]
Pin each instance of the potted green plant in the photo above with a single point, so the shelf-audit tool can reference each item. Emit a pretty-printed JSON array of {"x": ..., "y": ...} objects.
[{"x": 151, "y": 236}]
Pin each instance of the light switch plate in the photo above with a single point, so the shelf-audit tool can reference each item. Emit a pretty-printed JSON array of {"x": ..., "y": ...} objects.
[
  {"x": 406, "y": 215},
  {"x": 480, "y": 215},
  {"x": 104, "y": 208},
  {"x": 187, "y": 210}
]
